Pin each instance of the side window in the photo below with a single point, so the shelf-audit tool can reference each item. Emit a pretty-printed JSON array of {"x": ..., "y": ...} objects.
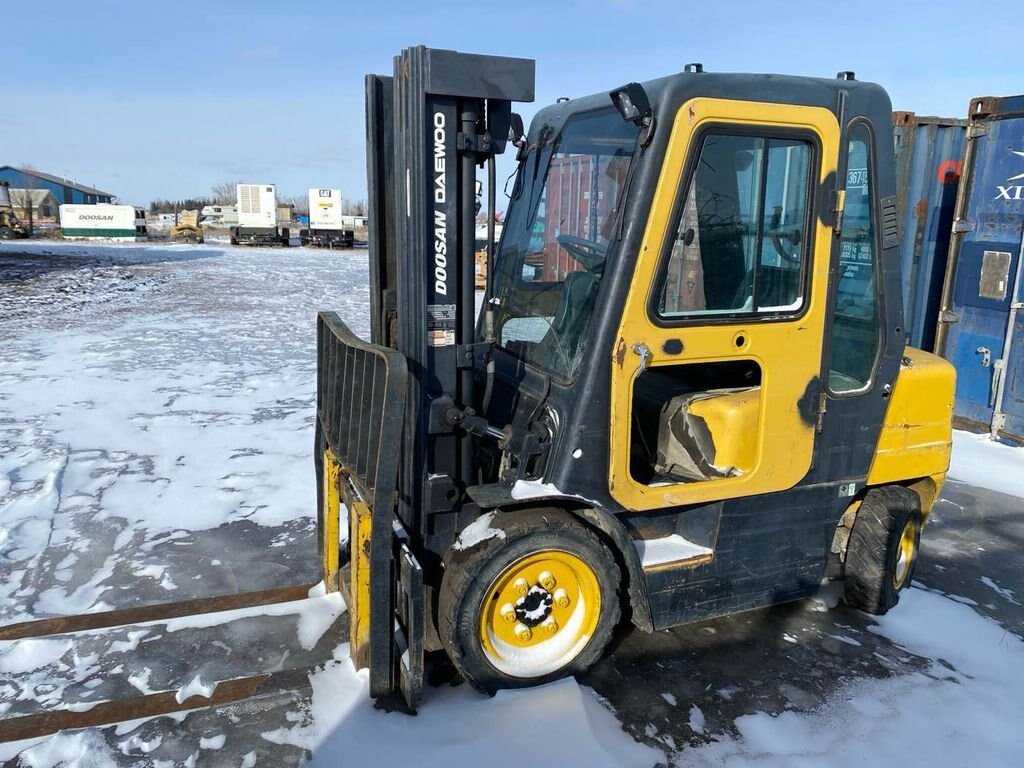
[
  {"x": 741, "y": 243},
  {"x": 855, "y": 325}
]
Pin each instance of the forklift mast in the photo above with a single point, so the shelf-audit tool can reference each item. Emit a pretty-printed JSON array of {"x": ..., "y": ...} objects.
[{"x": 429, "y": 126}]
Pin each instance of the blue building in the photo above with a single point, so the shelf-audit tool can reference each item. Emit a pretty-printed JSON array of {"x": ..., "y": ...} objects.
[{"x": 64, "y": 190}]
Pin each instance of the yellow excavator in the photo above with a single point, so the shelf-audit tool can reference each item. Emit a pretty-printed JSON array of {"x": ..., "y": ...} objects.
[
  {"x": 188, "y": 229},
  {"x": 11, "y": 227}
]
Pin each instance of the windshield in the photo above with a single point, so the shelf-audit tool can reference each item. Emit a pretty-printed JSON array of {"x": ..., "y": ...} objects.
[{"x": 560, "y": 224}]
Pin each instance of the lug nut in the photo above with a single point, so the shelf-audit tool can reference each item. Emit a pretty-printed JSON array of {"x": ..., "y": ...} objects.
[
  {"x": 547, "y": 580},
  {"x": 508, "y": 613},
  {"x": 550, "y": 626},
  {"x": 561, "y": 598},
  {"x": 523, "y": 632},
  {"x": 521, "y": 586}
]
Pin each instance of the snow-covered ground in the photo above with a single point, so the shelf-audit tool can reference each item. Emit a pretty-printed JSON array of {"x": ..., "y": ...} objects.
[
  {"x": 156, "y": 408},
  {"x": 980, "y": 461},
  {"x": 149, "y": 391}
]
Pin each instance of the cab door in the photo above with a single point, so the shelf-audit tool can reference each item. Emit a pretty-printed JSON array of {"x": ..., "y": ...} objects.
[{"x": 716, "y": 369}]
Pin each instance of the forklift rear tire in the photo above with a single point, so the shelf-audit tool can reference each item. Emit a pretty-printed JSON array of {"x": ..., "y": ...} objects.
[
  {"x": 534, "y": 601},
  {"x": 882, "y": 550},
  {"x": 6, "y": 233}
]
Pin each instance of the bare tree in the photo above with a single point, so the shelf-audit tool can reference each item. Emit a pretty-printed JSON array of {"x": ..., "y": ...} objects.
[
  {"x": 225, "y": 193},
  {"x": 356, "y": 208},
  {"x": 299, "y": 203},
  {"x": 22, "y": 198}
]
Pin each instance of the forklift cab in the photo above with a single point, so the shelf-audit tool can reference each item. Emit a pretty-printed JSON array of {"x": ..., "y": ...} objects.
[
  {"x": 704, "y": 303},
  {"x": 687, "y": 393}
]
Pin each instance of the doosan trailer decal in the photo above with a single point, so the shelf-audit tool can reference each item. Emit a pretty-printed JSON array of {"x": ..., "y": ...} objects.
[{"x": 103, "y": 222}]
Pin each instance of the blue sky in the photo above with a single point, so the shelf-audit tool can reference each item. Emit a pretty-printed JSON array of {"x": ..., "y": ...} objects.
[{"x": 148, "y": 99}]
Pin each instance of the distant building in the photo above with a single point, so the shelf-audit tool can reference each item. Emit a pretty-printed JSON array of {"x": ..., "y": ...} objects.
[
  {"x": 353, "y": 222},
  {"x": 64, "y": 190},
  {"x": 44, "y": 205}
]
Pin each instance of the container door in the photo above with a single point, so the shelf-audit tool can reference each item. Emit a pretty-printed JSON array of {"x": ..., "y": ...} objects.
[
  {"x": 715, "y": 374},
  {"x": 987, "y": 267},
  {"x": 1009, "y": 418},
  {"x": 929, "y": 161}
]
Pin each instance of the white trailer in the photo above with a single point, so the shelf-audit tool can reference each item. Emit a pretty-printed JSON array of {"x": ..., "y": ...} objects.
[
  {"x": 326, "y": 222},
  {"x": 220, "y": 215},
  {"x": 103, "y": 221},
  {"x": 257, "y": 217}
]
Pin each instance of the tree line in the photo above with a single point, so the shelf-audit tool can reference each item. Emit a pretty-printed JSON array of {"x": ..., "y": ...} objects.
[
  {"x": 225, "y": 194},
  {"x": 189, "y": 203}
]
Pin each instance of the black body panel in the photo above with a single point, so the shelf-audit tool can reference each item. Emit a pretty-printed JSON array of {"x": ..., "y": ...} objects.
[{"x": 769, "y": 549}]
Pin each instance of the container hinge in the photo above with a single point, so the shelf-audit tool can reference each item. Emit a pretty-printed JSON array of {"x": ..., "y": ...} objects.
[
  {"x": 998, "y": 368},
  {"x": 945, "y": 316},
  {"x": 998, "y": 422},
  {"x": 963, "y": 225},
  {"x": 975, "y": 130}
]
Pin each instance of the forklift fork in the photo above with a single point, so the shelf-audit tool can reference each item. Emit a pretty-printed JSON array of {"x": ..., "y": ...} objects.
[{"x": 360, "y": 409}]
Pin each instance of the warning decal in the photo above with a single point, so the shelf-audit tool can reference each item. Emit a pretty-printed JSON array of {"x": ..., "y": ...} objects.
[{"x": 441, "y": 325}]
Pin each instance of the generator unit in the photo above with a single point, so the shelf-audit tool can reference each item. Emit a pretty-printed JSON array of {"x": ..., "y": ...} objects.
[
  {"x": 257, "y": 217},
  {"x": 326, "y": 223}
]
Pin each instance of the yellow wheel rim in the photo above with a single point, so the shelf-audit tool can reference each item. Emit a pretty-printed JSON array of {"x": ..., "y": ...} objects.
[
  {"x": 539, "y": 614},
  {"x": 905, "y": 555}
]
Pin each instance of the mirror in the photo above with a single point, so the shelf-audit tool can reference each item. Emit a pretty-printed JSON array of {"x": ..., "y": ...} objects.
[{"x": 516, "y": 130}]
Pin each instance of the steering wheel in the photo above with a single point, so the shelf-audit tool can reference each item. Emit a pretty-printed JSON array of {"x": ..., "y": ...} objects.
[
  {"x": 588, "y": 253},
  {"x": 793, "y": 236}
]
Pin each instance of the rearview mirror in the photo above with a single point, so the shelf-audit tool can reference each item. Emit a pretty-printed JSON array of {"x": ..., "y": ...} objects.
[
  {"x": 516, "y": 131},
  {"x": 632, "y": 103}
]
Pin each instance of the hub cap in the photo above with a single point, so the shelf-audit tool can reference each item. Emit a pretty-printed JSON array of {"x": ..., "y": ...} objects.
[
  {"x": 539, "y": 614},
  {"x": 905, "y": 555}
]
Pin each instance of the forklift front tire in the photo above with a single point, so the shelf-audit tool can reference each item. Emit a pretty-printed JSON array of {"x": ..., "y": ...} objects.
[
  {"x": 537, "y": 599},
  {"x": 882, "y": 550}
]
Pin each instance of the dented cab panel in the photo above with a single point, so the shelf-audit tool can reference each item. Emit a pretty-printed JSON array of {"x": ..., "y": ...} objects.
[{"x": 917, "y": 435}]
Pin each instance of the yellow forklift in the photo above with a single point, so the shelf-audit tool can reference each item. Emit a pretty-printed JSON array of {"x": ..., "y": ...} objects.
[{"x": 688, "y": 391}]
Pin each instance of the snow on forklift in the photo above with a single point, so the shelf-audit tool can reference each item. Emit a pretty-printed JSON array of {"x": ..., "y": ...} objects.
[
  {"x": 11, "y": 227},
  {"x": 688, "y": 393}
]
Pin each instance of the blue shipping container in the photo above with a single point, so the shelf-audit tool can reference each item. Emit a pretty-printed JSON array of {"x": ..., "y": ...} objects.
[
  {"x": 929, "y": 160},
  {"x": 981, "y": 330}
]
